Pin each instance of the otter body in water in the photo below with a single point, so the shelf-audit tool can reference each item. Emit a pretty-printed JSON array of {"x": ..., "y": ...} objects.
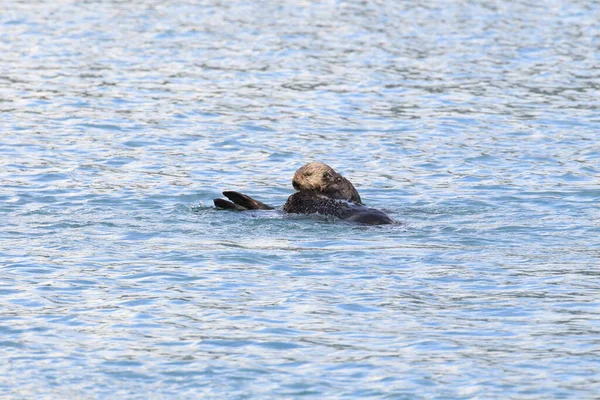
[
  {"x": 304, "y": 202},
  {"x": 320, "y": 190}
]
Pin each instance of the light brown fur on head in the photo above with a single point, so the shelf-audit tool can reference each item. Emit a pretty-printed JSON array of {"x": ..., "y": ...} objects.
[
  {"x": 320, "y": 177},
  {"x": 313, "y": 176}
]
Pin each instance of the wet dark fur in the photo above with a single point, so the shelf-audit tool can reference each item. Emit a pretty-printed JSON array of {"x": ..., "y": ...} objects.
[{"x": 305, "y": 202}]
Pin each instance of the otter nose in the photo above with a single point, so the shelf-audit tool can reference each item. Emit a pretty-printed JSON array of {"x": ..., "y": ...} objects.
[{"x": 295, "y": 184}]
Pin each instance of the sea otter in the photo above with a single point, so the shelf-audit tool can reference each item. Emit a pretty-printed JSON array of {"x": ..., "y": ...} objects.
[{"x": 320, "y": 190}]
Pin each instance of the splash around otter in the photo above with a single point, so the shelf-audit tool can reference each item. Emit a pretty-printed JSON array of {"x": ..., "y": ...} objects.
[{"x": 320, "y": 189}]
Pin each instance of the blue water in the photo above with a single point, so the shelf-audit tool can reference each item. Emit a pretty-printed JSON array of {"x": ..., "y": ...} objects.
[{"x": 474, "y": 123}]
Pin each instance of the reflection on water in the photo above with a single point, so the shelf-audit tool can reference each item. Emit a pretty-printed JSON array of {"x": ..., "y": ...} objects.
[{"x": 473, "y": 122}]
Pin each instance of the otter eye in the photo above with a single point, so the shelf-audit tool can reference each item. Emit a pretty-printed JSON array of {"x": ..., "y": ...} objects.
[{"x": 308, "y": 174}]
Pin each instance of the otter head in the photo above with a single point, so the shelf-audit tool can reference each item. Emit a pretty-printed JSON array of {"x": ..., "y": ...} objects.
[{"x": 320, "y": 177}]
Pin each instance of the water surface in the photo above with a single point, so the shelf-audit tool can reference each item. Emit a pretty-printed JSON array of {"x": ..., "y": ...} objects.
[{"x": 474, "y": 123}]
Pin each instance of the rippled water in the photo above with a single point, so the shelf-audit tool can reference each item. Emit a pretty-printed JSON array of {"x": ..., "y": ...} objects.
[{"x": 473, "y": 122}]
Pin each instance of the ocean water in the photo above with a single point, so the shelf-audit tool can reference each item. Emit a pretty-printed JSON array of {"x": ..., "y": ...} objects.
[{"x": 475, "y": 124}]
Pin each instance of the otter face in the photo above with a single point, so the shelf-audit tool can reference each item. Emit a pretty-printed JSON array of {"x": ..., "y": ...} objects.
[
  {"x": 320, "y": 177},
  {"x": 314, "y": 176}
]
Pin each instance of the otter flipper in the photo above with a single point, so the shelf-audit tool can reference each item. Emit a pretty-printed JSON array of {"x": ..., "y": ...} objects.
[
  {"x": 246, "y": 202},
  {"x": 228, "y": 205}
]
